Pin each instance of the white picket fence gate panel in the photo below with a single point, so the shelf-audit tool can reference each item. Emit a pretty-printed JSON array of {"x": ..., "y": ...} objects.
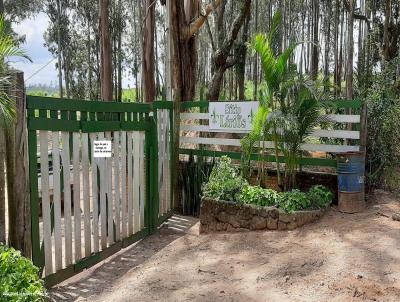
[{"x": 95, "y": 201}]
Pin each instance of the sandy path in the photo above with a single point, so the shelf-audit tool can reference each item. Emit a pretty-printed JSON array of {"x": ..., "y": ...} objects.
[{"x": 340, "y": 258}]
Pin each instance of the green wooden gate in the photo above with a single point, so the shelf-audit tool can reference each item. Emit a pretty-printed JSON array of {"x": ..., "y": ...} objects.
[{"x": 89, "y": 201}]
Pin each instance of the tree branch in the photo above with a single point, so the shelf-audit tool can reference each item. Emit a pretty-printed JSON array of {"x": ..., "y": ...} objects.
[
  {"x": 198, "y": 23},
  {"x": 357, "y": 16}
]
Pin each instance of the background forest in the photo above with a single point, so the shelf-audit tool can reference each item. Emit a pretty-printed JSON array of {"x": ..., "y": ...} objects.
[{"x": 349, "y": 47}]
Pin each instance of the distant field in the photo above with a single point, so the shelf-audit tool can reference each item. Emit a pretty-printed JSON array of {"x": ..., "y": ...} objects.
[{"x": 127, "y": 94}]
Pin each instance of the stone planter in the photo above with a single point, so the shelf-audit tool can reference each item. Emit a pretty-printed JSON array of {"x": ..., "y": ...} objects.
[{"x": 217, "y": 216}]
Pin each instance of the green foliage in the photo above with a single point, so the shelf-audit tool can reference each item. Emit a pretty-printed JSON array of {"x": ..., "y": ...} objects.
[
  {"x": 320, "y": 196},
  {"x": 8, "y": 48},
  {"x": 294, "y": 200},
  {"x": 259, "y": 196},
  {"x": 19, "y": 278},
  {"x": 383, "y": 146},
  {"x": 129, "y": 95},
  {"x": 225, "y": 182},
  {"x": 193, "y": 175}
]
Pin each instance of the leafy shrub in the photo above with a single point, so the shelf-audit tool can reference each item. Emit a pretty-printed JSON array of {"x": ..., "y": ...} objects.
[
  {"x": 225, "y": 182},
  {"x": 292, "y": 201},
  {"x": 320, "y": 196},
  {"x": 259, "y": 196},
  {"x": 19, "y": 278}
]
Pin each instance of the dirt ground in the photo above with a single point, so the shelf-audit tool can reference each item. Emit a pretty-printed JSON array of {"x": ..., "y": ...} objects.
[{"x": 343, "y": 257}]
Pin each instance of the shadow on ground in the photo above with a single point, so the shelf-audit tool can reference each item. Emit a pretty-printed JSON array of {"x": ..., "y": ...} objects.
[{"x": 104, "y": 276}]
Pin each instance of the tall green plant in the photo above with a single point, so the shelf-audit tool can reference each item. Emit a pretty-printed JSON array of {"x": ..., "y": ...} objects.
[
  {"x": 277, "y": 71},
  {"x": 295, "y": 122},
  {"x": 8, "y": 48}
]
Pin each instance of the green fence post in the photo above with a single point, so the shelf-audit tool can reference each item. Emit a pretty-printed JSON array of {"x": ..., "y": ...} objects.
[{"x": 37, "y": 256}]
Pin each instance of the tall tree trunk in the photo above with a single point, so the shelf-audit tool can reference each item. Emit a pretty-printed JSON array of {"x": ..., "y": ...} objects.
[
  {"x": 106, "y": 56},
  {"x": 350, "y": 51},
  {"x": 60, "y": 84},
  {"x": 148, "y": 52},
  {"x": 241, "y": 52},
  {"x": 386, "y": 36},
  {"x": 335, "y": 46},
  {"x": 255, "y": 68},
  {"x": 314, "y": 50},
  {"x": 221, "y": 58},
  {"x": 89, "y": 58},
  {"x": 327, "y": 44}
]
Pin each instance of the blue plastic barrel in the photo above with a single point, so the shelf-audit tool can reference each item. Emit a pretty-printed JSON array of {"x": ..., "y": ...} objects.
[
  {"x": 351, "y": 170},
  {"x": 351, "y": 184}
]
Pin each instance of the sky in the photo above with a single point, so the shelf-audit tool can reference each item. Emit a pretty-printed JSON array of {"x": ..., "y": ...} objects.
[{"x": 34, "y": 29}]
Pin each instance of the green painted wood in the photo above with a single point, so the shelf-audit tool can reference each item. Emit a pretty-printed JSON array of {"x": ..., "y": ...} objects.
[
  {"x": 48, "y": 103},
  {"x": 135, "y": 237},
  {"x": 101, "y": 126},
  {"x": 140, "y": 126},
  {"x": 305, "y": 161},
  {"x": 53, "y": 124},
  {"x": 37, "y": 256},
  {"x": 163, "y": 105}
]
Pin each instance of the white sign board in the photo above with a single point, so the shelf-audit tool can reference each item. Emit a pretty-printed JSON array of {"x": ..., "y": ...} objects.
[
  {"x": 101, "y": 149},
  {"x": 235, "y": 117}
]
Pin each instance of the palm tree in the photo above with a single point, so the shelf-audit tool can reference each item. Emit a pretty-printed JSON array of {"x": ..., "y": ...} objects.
[
  {"x": 8, "y": 48},
  {"x": 289, "y": 106},
  {"x": 277, "y": 71}
]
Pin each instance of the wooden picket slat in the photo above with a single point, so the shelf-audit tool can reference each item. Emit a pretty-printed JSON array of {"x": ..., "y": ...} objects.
[
  {"x": 136, "y": 181},
  {"x": 103, "y": 191},
  {"x": 86, "y": 194},
  {"x": 65, "y": 157},
  {"x": 57, "y": 200},
  {"x": 130, "y": 184},
  {"x": 124, "y": 201},
  {"x": 95, "y": 201},
  {"x": 117, "y": 198},
  {"x": 77, "y": 194},
  {"x": 109, "y": 183},
  {"x": 44, "y": 171}
]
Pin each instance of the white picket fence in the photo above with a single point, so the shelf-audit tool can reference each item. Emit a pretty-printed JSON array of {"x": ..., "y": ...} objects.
[
  {"x": 190, "y": 122},
  {"x": 102, "y": 200}
]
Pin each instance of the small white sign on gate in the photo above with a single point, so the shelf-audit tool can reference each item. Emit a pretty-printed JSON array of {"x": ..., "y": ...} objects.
[
  {"x": 102, "y": 149},
  {"x": 234, "y": 117}
]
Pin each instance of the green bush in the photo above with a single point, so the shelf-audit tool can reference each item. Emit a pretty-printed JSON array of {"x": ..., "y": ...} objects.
[
  {"x": 292, "y": 201},
  {"x": 19, "y": 278},
  {"x": 259, "y": 196},
  {"x": 225, "y": 182},
  {"x": 320, "y": 197}
]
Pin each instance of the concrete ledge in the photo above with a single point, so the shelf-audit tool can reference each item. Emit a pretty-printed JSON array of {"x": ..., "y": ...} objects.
[{"x": 226, "y": 216}]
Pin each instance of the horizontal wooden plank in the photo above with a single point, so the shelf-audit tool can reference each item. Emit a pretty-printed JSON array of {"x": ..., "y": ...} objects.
[
  {"x": 53, "y": 124},
  {"x": 344, "y": 118},
  {"x": 338, "y": 103},
  {"x": 305, "y": 161},
  {"x": 267, "y": 144},
  {"x": 194, "y": 104},
  {"x": 163, "y": 105},
  {"x": 48, "y": 103},
  {"x": 339, "y": 118},
  {"x": 100, "y": 126},
  {"x": 194, "y": 116},
  {"x": 316, "y": 133}
]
